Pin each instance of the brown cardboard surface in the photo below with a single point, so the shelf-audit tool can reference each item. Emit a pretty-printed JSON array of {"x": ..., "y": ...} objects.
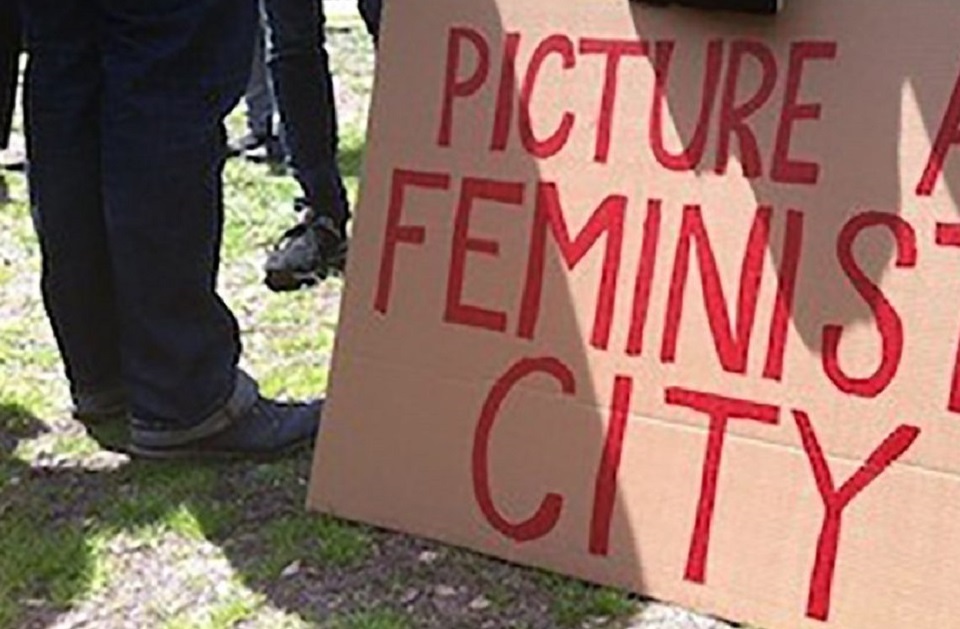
[{"x": 868, "y": 85}]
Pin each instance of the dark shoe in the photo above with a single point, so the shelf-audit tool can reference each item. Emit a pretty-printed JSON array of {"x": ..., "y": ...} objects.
[
  {"x": 247, "y": 427},
  {"x": 105, "y": 416},
  {"x": 306, "y": 255}
]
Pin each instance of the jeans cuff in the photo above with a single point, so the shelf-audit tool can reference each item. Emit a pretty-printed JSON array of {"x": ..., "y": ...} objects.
[
  {"x": 245, "y": 394},
  {"x": 99, "y": 402}
]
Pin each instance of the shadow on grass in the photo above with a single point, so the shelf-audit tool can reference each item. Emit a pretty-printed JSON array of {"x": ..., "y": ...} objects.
[
  {"x": 84, "y": 537},
  {"x": 58, "y": 522}
]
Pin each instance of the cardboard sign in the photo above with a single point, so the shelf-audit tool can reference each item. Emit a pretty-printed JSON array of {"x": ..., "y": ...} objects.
[{"x": 664, "y": 299}]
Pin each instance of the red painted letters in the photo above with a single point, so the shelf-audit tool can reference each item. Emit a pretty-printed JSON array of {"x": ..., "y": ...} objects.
[
  {"x": 720, "y": 410},
  {"x": 546, "y": 516},
  {"x": 836, "y": 500},
  {"x": 456, "y": 87},
  {"x": 474, "y": 190},
  {"x": 888, "y": 321},
  {"x": 397, "y": 233},
  {"x": 607, "y": 219},
  {"x": 732, "y": 346}
]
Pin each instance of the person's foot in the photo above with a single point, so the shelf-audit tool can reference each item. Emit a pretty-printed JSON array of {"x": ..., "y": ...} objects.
[
  {"x": 247, "y": 427},
  {"x": 105, "y": 416},
  {"x": 306, "y": 255},
  {"x": 267, "y": 430}
]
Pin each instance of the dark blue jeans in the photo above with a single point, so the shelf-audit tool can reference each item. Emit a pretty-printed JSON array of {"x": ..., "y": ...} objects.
[
  {"x": 300, "y": 68},
  {"x": 259, "y": 98},
  {"x": 125, "y": 103}
]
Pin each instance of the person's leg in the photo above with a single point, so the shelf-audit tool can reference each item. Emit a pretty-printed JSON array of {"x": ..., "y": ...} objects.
[
  {"x": 259, "y": 95},
  {"x": 173, "y": 69},
  {"x": 63, "y": 140},
  {"x": 300, "y": 68},
  {"x": 129, "y": 236},
  {"x": 258, "y": 100}
]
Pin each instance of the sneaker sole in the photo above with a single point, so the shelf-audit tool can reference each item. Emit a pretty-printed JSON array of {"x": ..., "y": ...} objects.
[
  {"x": 286, "y": 281},
  {"x": 195, "y": 454}
]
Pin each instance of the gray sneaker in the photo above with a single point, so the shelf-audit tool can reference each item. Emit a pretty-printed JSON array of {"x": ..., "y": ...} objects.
[
  {"x": 247, "y": 427},
  {"x": 306, "y": 255}
]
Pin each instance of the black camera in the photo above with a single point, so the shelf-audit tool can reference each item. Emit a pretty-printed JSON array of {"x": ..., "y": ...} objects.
[{"x": 765, "y": 7}]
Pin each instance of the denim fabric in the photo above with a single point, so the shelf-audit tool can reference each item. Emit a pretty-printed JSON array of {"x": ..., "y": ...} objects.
[
  {"x": 300, "y": 67},
  {"x": 259, "y": 98},
  {"x": 125, "y": 105}
]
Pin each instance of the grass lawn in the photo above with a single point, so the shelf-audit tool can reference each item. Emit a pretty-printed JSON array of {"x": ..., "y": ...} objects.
[{"x": 88, "y": 538}]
